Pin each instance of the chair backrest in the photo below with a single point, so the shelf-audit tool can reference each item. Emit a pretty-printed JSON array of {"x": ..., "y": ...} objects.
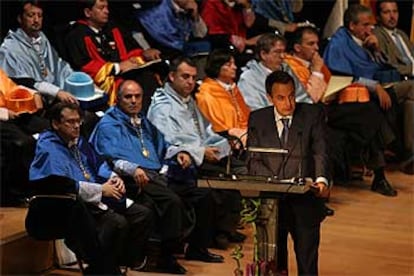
[{"x": 48, "y": 216}]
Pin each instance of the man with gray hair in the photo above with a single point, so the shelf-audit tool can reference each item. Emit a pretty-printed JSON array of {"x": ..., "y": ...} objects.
[{"x": 269, "y": 54}]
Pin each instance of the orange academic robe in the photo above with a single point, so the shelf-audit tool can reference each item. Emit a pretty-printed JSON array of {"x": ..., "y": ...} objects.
[{"x": 224, "y": 109}]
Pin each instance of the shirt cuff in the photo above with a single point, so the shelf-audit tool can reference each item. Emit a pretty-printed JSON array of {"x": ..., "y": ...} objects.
[
  {"x": 317, "y": 74},
  {"x": 371, "y": 84},
  {"x": 90, "y": 192},
  {"x": 117, "y": 68},
  {"x": 46, "y": 88},
  {"x": 125, "y": 167},
  {"x": 323, "y": 180},
  {"x": 4, "y": 114}
]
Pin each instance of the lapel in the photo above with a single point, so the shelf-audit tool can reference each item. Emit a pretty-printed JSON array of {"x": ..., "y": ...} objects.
[
  {"x": 271, "y": 139},
  {"x": 390, "y": 44}
]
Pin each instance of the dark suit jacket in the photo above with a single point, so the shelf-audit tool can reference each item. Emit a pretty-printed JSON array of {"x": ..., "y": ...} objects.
[
  {"x": 307, "y": 131},
  {"x": 391, "y": 51}
]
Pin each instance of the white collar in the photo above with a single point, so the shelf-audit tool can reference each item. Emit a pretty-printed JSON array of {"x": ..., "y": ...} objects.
[
  {"x": 227, "y": 86},
  {"x": 36, "y": 40},
  {"x": 278, "y": 117},
  {"x": 95, "y": 30},
  {"x": 73, "y": 142},
  {"x": 357, "y": 40},
  {"x": 390, "y": 32},
  {"x": 177, "y": 8},
  {"x": 264, "y": 68},
  {"x": 136, "y": 121},
  {"x": 230, "y": 4}
]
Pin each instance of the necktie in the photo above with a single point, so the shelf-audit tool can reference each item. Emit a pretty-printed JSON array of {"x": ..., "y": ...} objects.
[
  {"x": 400, "y": 46},
  {"x": 285, "y": 131}
]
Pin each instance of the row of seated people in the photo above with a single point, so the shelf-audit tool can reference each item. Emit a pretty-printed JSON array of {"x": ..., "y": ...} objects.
[
  {"x": 136, "y": 150},
  {"x": 219, "y": 101},
  {"x": 42, "y": 65},
  {"x": 47, "y": 74}
]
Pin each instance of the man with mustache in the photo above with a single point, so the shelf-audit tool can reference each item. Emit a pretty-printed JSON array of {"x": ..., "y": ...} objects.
[
  {"x": 399, "y": 51},
  {"x": 27, "y": 53}
]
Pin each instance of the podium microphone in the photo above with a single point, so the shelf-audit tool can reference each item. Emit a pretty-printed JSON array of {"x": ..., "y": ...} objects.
[{"x": 301, "y": 180}]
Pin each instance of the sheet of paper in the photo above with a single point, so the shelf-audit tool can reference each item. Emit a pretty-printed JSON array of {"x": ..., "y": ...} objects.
[{"x": 336, "y": 84}]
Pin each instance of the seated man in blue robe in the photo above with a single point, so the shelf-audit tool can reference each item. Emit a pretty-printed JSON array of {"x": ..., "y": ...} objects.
[
  {"x": 354, "y": 50},
  {"x": 178, "y": 24},
  {"x": 174, "y": 112},
  {"x": 27, "y": 53},
  {"x": 120, "y": 226},
  {"x": 137, "y": 150}
]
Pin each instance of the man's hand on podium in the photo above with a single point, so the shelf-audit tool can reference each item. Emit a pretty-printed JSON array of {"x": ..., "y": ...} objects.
[{"x": 320, "y": 189}]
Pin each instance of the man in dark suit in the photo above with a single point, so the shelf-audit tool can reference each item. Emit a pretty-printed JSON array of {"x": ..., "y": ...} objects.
[
  {"x": 399, "y": 51},
  {"x": 299, "y": 128}
]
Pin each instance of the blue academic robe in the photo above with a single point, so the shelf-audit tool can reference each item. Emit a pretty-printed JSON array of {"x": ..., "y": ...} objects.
[
  {"x": 252, "y": 85},
  {"x": 53, "y": 157},
  {"x": 170, "y": 30},
  {"x": 19, "y": 59},
  {"x": 115, "y": 138},
  {"x": 171, "y": 116},
  {"x": 280, "y": 10},
  {"x": 344, "y": 55}
]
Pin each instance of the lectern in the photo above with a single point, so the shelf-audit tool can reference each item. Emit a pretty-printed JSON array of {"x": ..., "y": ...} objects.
[{"x": 269, "y": 190}]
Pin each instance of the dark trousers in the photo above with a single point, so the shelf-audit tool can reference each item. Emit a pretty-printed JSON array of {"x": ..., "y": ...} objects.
[
  {"x": 304, "y": 227},
  {"x": 124, "y": 236},
  {"x": 365, "y": 126},
  {"x": 170, "y": 214},
  {"x": 199, "y": 200},
  {"x": 106, "y": 239},
  {"x": 306, "y": 244}
]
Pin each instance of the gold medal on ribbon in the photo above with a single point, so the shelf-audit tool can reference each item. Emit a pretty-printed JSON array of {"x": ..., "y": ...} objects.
[
  {"x": 145, "y": 152},
  {"x": 86, "y": 175}
]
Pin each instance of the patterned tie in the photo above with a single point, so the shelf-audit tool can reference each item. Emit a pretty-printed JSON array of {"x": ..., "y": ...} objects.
[
  {"x": 400, "y": 46},
  {"x": 285, "y": 131}
]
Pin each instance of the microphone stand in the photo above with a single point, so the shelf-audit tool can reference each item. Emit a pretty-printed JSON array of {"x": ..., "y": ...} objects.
[{"x": 301, "y": 179}]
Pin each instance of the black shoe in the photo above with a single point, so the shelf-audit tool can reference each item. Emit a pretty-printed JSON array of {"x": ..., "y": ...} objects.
[
  {"x": 329, "y": 212},
  {"x": 236, "y": 237},
  {"x": 383, "y": 187},
  {"x": 202, "y": 254},
  {"x": 140, "y": 264},
  {"x": 169, "y": 264}
]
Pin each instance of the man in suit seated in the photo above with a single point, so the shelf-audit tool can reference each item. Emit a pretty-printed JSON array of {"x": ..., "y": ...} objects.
[
  {"x": 399, "y": 52},
  {"x": 113, "y": 230},
  {"x": 299, "y": 128}
]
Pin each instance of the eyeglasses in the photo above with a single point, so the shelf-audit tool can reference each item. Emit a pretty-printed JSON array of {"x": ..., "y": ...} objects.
[{"x": 72, "y": 122}]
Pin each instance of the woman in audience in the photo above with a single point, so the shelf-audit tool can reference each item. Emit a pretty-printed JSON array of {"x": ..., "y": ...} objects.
[{"x": 219, "y": 98}]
